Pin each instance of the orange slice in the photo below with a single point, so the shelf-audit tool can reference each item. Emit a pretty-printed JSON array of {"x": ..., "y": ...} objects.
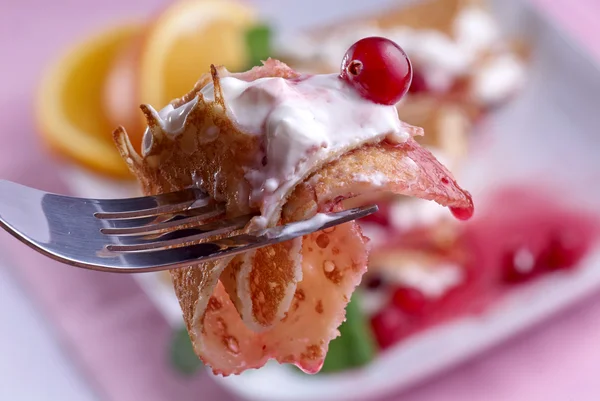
[
  {"x": 69, "y": 107},
  {"x": 169, "y": 55},
  {"x": 185, "y": 40}
]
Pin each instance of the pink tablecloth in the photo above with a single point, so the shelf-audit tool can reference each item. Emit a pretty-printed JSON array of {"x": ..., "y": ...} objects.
[{"x": 113, "y": 332}]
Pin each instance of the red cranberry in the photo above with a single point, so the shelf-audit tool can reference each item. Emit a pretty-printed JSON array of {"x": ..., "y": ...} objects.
[
  {"x": 389, "y": 325},
  {"x": 409, "y": 300},
  {"x": 378, "y": 69}
]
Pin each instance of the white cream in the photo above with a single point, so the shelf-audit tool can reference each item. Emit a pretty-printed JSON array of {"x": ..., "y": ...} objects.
[
  {"x": 408, "y": 214},
  {"x": 497, "y": 78},
  {"x": 171, "y": 120},
  {"x": 475, "y": 30},
  {"x": 524, "y": 261},
  {"x": 441, "y": 58},
  {"x": 432, "y": 281},
  {"x": 307, "y": 226},
  {"x": 376, "y": 233},
  {"x": 372, "y": 302},
  {"x": 303, "y": 123}
]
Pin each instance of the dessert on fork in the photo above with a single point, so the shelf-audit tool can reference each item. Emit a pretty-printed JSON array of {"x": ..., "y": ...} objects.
[{"x": 286, "y": 146}]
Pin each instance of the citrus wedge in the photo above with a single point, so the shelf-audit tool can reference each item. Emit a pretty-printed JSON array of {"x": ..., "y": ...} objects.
[
  {"x": 69, "y": 109},
  {"x": 185, "y": 40},
  {"x": 166, "y": 58}
]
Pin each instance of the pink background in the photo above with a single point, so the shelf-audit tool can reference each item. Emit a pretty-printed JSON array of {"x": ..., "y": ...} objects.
[{"x": 112, "y": 331}]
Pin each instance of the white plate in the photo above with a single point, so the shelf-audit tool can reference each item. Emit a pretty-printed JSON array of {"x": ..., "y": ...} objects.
[{"x": 550, "y": 132}]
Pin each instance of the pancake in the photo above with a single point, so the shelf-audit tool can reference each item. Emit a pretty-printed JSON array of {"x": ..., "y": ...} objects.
[{"x": 284, "y": 146}]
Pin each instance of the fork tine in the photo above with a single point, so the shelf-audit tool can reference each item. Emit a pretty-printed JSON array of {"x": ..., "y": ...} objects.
[
  {"x": 273, "y": 234},
  {"x": 163, "y": 227},
  {"x": 204, "y": 230},
  {"x": 64, "y": 228},
  {"x": 147, "y": 206},
  {"x": 148, "y": 261}
]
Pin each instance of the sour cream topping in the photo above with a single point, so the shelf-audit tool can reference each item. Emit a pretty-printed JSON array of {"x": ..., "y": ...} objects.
[
  {"x": 440, "y": 57},
  {"x": 303, "y": 122}
]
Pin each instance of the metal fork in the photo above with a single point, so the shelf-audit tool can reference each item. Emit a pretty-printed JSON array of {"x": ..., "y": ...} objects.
[{"x": 143, "y": 234}]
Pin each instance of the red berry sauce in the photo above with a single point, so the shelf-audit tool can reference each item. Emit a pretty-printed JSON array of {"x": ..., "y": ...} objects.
[
  {"x": 518, "y": 265},
  {"x": 462, "y": 213},
  {"x": 564, "y": 249},
  {"x": 518, "y": 237}
]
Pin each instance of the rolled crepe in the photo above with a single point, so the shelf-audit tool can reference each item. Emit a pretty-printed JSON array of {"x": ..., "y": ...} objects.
[{"x": 283, "y": 146}]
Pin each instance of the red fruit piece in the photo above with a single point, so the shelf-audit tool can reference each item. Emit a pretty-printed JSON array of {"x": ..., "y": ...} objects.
[
  {"x": 389, "y": 325},
  {"x": 409, "y": 300},
  {"x": 378, "y": 69}
]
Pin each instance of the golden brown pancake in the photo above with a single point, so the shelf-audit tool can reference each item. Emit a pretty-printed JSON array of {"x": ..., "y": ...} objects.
[{"x": 285, "y": 301}]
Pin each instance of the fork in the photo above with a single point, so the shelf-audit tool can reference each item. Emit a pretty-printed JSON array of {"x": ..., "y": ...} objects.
[{"x": 144, "y": 234}]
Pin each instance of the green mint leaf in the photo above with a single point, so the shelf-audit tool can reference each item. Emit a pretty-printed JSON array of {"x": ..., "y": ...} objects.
[
  {"x": 357, "y": 329},
  {"x": 258, "y": 44},
  {"x": 183, "y": 357},
  {"x": 355, "y": 347},
  {"x": 338, "y": 357}
]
